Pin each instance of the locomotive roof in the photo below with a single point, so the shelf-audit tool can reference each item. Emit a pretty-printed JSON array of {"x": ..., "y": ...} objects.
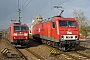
[
  {"x": 55, "y": 17},
  {"x": 18, "y": 24},
  {"x": 46, "y": 20}
]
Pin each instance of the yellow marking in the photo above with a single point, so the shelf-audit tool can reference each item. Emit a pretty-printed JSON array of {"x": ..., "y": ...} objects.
[
  {"x": 53, "y": 51},
  {"x": 4, "y": 50},
  {"x": 7, "y": 51}
]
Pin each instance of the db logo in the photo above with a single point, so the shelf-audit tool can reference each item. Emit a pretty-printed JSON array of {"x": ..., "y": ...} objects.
[{"x": 69, "y": 32}]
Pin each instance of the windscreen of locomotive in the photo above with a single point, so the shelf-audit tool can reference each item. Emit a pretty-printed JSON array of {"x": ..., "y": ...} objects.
[
  {"x": 19, "y": 28},
  {"x": 67, "y": 23}
]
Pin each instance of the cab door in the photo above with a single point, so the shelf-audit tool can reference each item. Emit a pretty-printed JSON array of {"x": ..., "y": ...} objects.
[{"x": 53, "y": 31}]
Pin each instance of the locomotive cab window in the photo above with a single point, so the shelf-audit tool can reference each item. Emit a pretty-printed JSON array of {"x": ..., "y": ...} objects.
[
  {"x": 53, "y": 24},
  {"x": 19, "y": 28},
  {"x": 72, "y": 23},
  {"x": 16, "y": 28},
  {"x": 23, "y": 28},
  {"x": 67, "y": 23}
]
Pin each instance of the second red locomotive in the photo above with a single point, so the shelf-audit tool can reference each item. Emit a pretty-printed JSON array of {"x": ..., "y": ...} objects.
[
  {"x": 59, "y": 32},
  {"x": 18, "y": 34}
]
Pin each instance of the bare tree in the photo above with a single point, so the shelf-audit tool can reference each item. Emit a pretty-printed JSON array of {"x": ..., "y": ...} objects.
[{"x": 82, "y": 20}]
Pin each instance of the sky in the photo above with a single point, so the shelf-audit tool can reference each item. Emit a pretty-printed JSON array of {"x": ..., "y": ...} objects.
[{"x": 31, "y": 8}]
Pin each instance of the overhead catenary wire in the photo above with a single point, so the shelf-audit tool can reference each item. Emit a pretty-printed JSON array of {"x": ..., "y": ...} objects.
[
  {"x": 53, "y": 8},
  {"x": 45, "y": 5},
  {"x": 64, "y": 2},
  {"x": 18, "y": 4},
  {"x": 41, "y": 8},
  {"x": 23, "y": 7},
  {"x": 26, "y": 5},
  {"x": 27, "y": 18},
  {"x": 16, "y": 11}
]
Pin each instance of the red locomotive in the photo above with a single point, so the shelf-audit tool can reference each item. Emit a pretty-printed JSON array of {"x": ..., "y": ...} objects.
[
  {"x": 59, "y": 32},
  {"x": 18, "y": 34}
]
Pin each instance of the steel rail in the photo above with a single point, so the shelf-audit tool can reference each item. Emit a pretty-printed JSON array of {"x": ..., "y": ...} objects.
[{"x": 20, "y": 53}]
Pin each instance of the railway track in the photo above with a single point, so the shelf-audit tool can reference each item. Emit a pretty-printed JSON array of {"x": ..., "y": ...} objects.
[
  {"x": 82, "y": 54},
  {"x": 73, "y": 55},
  {"x": 35, "y": 54},
  {"x": 85, "y": 44},
  {"x": 14, "y": 52},
  {"x": 30, "y": 54},
  {"x": 22, "y": 55},
  {"x": 27, "y": 52}
]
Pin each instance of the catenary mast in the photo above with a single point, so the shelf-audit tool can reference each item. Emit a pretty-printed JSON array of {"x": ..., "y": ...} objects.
[{"x": 19, "y": 11}]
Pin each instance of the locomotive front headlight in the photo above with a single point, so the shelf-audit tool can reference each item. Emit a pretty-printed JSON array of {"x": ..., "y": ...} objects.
[
  {"x": 75, "y": 36},
  {"x": 62, "y": 37},
  {"x": 15, "y": 34},
  {"x": 25, "y": 34}
]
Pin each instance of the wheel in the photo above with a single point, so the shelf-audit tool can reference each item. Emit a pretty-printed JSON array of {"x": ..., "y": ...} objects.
[
  {"x": 43, "y": 41},
  {"x": 55, "y": 45},
  {"x": 48, "y": 43},
  {"x": 51, "y": 44}
]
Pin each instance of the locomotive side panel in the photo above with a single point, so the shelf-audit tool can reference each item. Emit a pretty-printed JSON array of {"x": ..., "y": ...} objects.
[
  {"x": 34, "y": 31},
  {"x": 47, "y": 30},
  {"x": 39, "y": 30},
  {"x": 55, "y": 31},
  {"x": 11, "y": 33}
]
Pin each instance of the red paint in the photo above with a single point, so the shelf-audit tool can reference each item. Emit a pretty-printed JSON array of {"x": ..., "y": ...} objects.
[
  {"x": 18, "y": 34},
  {"x": 45, "y": 28}
]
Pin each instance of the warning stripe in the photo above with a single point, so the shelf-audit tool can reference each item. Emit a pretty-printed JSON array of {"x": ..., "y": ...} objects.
[
  {"x": 5, "y": 50},
  {"x": 2, "y": 50},
  {"x": 53, "y": 51}
]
